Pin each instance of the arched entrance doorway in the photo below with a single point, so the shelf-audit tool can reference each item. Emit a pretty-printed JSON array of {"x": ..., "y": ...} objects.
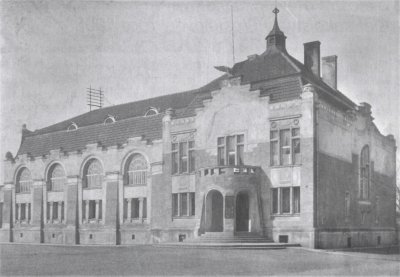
[
  {"x": 214, "y": 211},
  {"x": 242, "y": 212}
]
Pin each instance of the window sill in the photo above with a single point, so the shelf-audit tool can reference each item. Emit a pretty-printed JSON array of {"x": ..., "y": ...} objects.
[
  {"x": 365, "y": 202},
  {"x": 92, "y": 188},
  {"x": 23, "y": 222},
  {"x": 183, "y": 174},
  {"x": 283, "y": 166},
  {"x": 286, "y": 215},
  {"x": 130, "y": 185},
  {"x": 135, "y": 220},
  {"x": 183, "y": 217},
  {"x": 92, "y": 221},
  {"x": 25, "y": 192},
  {"x": 55, "y": 221}
]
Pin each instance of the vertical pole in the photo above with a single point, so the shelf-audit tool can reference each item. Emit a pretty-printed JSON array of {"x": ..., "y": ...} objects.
[
  {"x": 233, "y": 37},
  {"x": 97, "y": 210},
  {"x": 51, "y": 212},
  {"x": 86, "y": 210},
  {"x": 129, "y": 210},
  {"x": 59, "y": 211}
]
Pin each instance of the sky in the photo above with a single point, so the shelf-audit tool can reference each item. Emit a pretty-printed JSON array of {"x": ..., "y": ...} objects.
[{"x": 51, "y": 51}]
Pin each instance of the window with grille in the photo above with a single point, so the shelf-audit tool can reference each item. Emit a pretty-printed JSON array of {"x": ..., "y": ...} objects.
[
  {"x": 183, "y": 159},
  {"x": 364, "y": 186},
  {"x": 93, "y": 174},
  {"x": 24, "y": 181},
  {"x": 285, "y": 146},
  {"x": 57, "y": 178},
  {"x": 137, "y": 171},
  {"x": 230, "y": 150}
]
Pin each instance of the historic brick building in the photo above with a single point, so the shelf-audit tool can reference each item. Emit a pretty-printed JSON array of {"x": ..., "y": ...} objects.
[{"x": 270, "y": 148}]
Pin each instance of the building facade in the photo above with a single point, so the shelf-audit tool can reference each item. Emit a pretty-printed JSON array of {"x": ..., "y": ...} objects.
[{"x": 270, "y": 148}]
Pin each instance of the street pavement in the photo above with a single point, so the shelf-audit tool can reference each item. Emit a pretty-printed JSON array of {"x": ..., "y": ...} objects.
[{"x": 40, "y": 260}]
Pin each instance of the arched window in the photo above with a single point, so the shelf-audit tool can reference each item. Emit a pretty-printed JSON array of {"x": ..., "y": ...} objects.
[
  {"x": 364, "y": 173},
  {"x": 56, "y": 178},
  {"x": 136, "y": 171},
  {"x": 93, "y": 174},
  {"x": 109, "y": 119},
  {"x": 73, "y": 127},
  {"x": 24, "y": 181},
  {"x": 151, "y": 111}
]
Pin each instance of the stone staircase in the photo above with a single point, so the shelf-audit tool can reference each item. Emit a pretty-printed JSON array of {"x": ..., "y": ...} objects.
[{"x": 225, "y": 240}]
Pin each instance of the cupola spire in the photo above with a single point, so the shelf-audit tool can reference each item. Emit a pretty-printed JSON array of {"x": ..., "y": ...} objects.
[{"x": 276, "y": 38}]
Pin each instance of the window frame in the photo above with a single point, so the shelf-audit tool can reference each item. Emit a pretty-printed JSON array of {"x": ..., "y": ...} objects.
[
  {"x": 222, "y": 149},
  {"x": 277, "y": 201},
  {"x": 277, "y": 140},
  {"x": 132, "y": 175},
  {"x": 177, "y": 157},
  {"x": 26, "y": 183},
  {"x": 364, "y": 189},
  {"x": 86, "y": 174},
  {"x": 190, "y": 205}
]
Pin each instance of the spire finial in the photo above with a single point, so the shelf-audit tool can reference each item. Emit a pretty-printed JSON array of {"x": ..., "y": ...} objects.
[{"x": 276, "y": 11}]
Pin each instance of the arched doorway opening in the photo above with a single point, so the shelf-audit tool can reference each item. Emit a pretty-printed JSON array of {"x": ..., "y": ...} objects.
[
  {"x": 214, "y": 211},
  {"x": 242, "y": 212}
]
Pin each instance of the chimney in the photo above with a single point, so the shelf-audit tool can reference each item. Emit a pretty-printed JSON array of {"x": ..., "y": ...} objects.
[
  {"x": 312, "y": 57},
  {"x": 329, "y": 70}
]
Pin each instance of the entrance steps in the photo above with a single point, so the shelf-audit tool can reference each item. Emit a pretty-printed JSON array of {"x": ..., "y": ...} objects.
[{"x": 225, "y": 240}]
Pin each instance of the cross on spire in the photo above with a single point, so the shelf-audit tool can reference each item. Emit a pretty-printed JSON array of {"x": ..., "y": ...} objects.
[{"x": 276, "y": 37}]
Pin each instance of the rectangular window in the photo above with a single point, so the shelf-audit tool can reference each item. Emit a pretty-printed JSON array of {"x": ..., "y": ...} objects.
[
  {"x": 92, "y": 209},
  {"x": 183, "y": 204},
  {"x": 193, "y": 204},
  {"x": 275, "y": 201},
  {"x": 100, "y": 209},
  {"x": 221, "y": 151},
  {"x": 183, "y": 157},
  {"x": 55, "y": 210},
  {"x": 296, "y": 200},
  {"x": 23, "y": 211},
  {"x": 296, "y": 145},
  {"x": 274, "y": 148},
  {"x": 285, "y": 200},
  {"x": 285, "y": 146},
  {"x": 191, "y": 157},
  {"x": 175, "y": 205},
  {"x": 135, "y": 208},
  {"x": 231, "y": 150},
  {"x": 1, "y": 214},
  {"x": 347, "y": 205},
  {"x": 175, "y": 158},
  {"x": 29, "y": 211},
  {"x": 62, "y": 211},
  {"x": 144, "y": 215}
]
